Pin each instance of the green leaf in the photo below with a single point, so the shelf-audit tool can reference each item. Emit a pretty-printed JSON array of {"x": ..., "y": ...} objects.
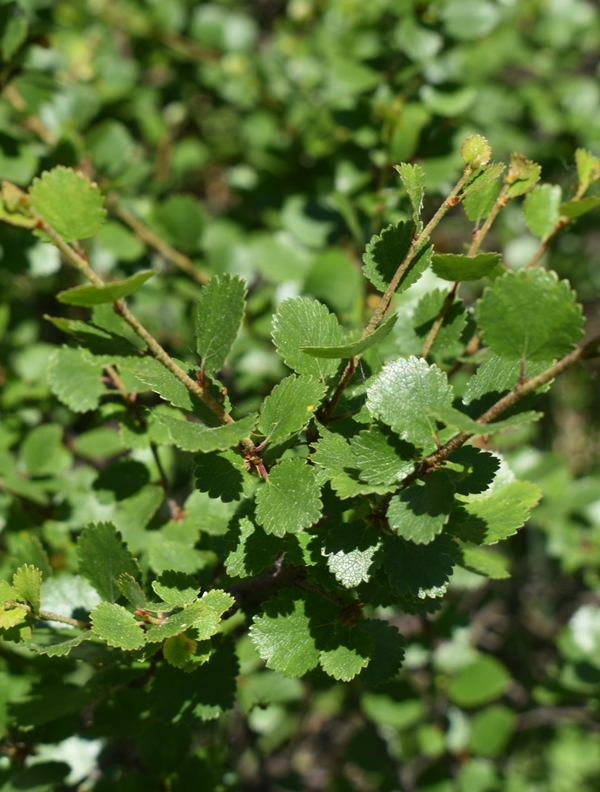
[
  {"x": 69, "y": 202},
  {"x": 451, "y": 329},
  {"x": 403, "y": 394},
  {"x": 496, "y": 513},
  {"x": 222, "y": 475},
  {"x": 251, "y": 550},
  {"x": 43, "y": 451},
  {"x": 413, "y": 179},
  {"x": 458, "y": 420},
  {"x": 420, "y": 569},
  {"x": 523, "y": 174},
  {"x": 289, "y": 407},
  {"x": 491, "y": 729},
  {"x": 88, "y": 296},
  {"x": 103, "y": 558},
  {"x": 388, "y": 652},
  {"x": 484, "y": 561},
  {"x": 27, "y": 581},
  {"x": 454, "y": 267},
  {"x": 478, "y": 205},
  {"x": 176, "y": 588},
  {"x": 178, "y": 650},
  {"x": 350, "y": 549},
  {"x": 484, "y": 177},
  {"x": 11, "y": 617},
  {"x": 117, "y": 626},
  {"x": 59, "y": 647},
  {"x": 554, "y": 320},
  {"x": 471, "y": 470},
  {"x": 381, "y": 456},
  {"x": 191, "y": 436},
  {"x": 289, "y": 501},
  {"x": 217, "y": 599},
  {"x": 419, "y": 512},
  {"x": 497, "y": 375},
  {"x": 131, "y": 590},
  {"x": 479, "y": 682},
  {"x": 352, "y": 652},
  {"x": 588, "y": 168},
  {"x": 385, "y": 253},
  {"x": 74, "y": 380},
  {"x": 199, "y": 615},
  {"x": 356, "y": 348},
  {"x": 575, "y": 209},
  {"x": 218, "y": 320},
  {"x": 303, "y": 322},
  {"x": 541, "y": 209}
]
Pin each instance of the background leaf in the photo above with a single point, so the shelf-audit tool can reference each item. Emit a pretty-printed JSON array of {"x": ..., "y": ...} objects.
[
  {"x": 69, "y": 202},
  {"x": 103, "y": 558},
  {"x": 88, "y": 296},
  {"x": 220, "y": 314}
]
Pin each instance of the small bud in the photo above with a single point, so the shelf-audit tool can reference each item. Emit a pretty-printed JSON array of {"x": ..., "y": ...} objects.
[{"x": 476, "y": 151}]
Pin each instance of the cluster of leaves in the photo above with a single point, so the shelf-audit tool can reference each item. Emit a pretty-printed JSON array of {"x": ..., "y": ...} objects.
[{"x": 191, "y": 524}]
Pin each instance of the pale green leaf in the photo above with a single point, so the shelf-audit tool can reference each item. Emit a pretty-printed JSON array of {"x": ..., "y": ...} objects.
[
  {"x": 381, "y": 457},
  {"x": 289, "y": 407},
  {"x": 117, "y": 626},
  {"x": 484, "y": 561},
  {"x": 387, "y": 655},
  {"x": 303, "y": 322},
  {"x": 217, "y": 599},
  {"x": 541, "y": 209},
  {"x": 199, "y": 615},
  {"x": 479, "y": 682},
  {"x": 530, "y": 314},
  {"x": 191, "y": 436},
  {"x": 403, "y": 393},
  {"x": 350, "y": 549},
  {"x": 289, "y": 501},
  {"x": 88, "y": 296},
  {"x": 176, "y": 589},
  {"x": 218, "y": 320},
  {"x": 523, "y": 174},
  {"x": 420, "y": 569},
  {"x": 496, "y": 513},
  {"x": 60, "y": 647},
  {"x": 131, "y": 590},
  {"x": 43, "y": 451},
  {"x": 69, "y": 202},
  {"x": 479, "y": 204},
  {"x": 10, "y": 617},
  {"x": 27, "y": 582},
  {"x": 103, "y": 558},
  {"x": 419, "y": 512},
  {"x": 74, "y": 380},
  {"x": 455, "y": 267},
  {"x": 588, "y": 167},
  {"x": 413, "y": 179},
  {"x": 352, "y": 652},
  {"x": 483, "y": 178},
  {"x": 577, "y": 208},
  {"x": 356, "y": 348},
  {"x": 386, "y": 252}
]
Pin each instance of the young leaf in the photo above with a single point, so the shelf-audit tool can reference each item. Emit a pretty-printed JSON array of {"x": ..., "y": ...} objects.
[
  {"x": 385, "y": 253},
  {"x": 199, "y": 615},
  {"x": 176, "y": 588},
  {"x": 483, "y": 178},
  {"x": 381, "y": 456},
  {"x": 554, "y": 320},
  {"x": 217, "y": 599},
  {"x": 69, "y": 202},
  {"x": 419, "y": 512},
  {"x": 117, "y": 626},
  {"x": 455, "y": 267},
  {"x": 286, "y": 634},
  {"x": 484, "y": 561},
  {"x": 195, "y": 437},
  {"x": 523, "y": 174},
  {"x": 289, "y": 501},
  {"x": 289, "y": 407},
  {"x": 588, "y": 168},
  {"x": 251, "y": 550},
  {"x": 222, "y": 475},
  {"x": 306, "y": 323},
  {"x": 541, "y": 209},
  {"x": 496, "y": 513},
  {"x": 350, "y": 549},
  {"x": 103, "y": 558},
  {"x": 413, "y": 179},
  {"x": 88, "y": 296},
  {"x": 403, "y": 393},
  {"x": 219, "y": 317},
  {"x": 356, "y": 348},
  {"x": 27, "y": 581},
  {"x": 60, "y": 647},
  {"x": 131, "y": 590},
  {"x": 420, "y": 569},
  {"x": 479, "y": 204},
  {"x": 179, "y": 650},
  {"x": 451, "y": 329},
  {"x": 574, "y": 209},
  {"x": 351, "y": 651},
  {"x": 74, "y": 380},
  {"x": 387, "y": 655}
]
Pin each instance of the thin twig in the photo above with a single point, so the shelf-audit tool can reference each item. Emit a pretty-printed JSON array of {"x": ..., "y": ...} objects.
[
  {"x": 480, "y": 235},
  {"x": 44, "y": 615},
  {"x": 439, "y": 320}
]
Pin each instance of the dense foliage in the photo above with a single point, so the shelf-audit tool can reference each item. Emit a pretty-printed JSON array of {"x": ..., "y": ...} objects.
[{"x": 298, "y": 315}]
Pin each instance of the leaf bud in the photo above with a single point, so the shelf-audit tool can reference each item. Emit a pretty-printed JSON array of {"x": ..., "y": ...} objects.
[{"x": 476, "y": 151}]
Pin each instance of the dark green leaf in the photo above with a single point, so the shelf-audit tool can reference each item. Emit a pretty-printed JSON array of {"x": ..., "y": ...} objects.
[
  {"x": 289, "y": 407},
  {"x": 413, "y": 179},
  {"x": 191, "y": 436},
  {"x": 419, "y": 512},
  {"x": 103, "y": 558},
  {"x": 420, "y": 570},
  {"x": 88, "y": 296},
  {"x": 219, "y": 317},
  {"x": 385, "y": 253},
  {"x": 74, "y": 380},
  {"x": 388, "y": 655},
  {"x": 251, "y": 550},
  {"x": 131, "y": 590},
  {"x": 356, "y": 348},
  {"x": 289, "y": 501},
  {"x": 454, "y": 267},
  {"x": 451, "y": 329},
  {"x": 350, "y": 549},
  {"x": 222, "y": 475}
]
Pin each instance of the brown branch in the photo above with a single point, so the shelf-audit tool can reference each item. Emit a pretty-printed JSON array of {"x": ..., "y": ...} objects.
[{"x": 439, "y": 320}]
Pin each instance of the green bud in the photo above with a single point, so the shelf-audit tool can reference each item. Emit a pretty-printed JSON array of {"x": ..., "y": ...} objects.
[{"x": 476, "y": 151}]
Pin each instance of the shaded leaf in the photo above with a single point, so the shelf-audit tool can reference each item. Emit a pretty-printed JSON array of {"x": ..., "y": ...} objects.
[
  {"x": 88, "y": 296},
  {"x": 455, "y": 267},
  {"x": 387, "y": 655},
  {"x": 352, "y": 652},
  {"x": 222, "y": 475},
  {"x": 420, "y": 569},
  {"x": 103, "y": 558},
  {"x": 451, "y": 329},
  {"x": 386, "y": 252},
  {"x": 219, "y": 317},
  {"x": 199, "y": 615},
  {"x": 251, "y": 549},
  {"x": 178, "y": 650},
  {"x": 419, "y": 512},
  {"x": 176, "y": 588},
  {"x": 131, "y": 590},
  {"x": 350, "y": 549},
  {"x": 59, "y": 647}
]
